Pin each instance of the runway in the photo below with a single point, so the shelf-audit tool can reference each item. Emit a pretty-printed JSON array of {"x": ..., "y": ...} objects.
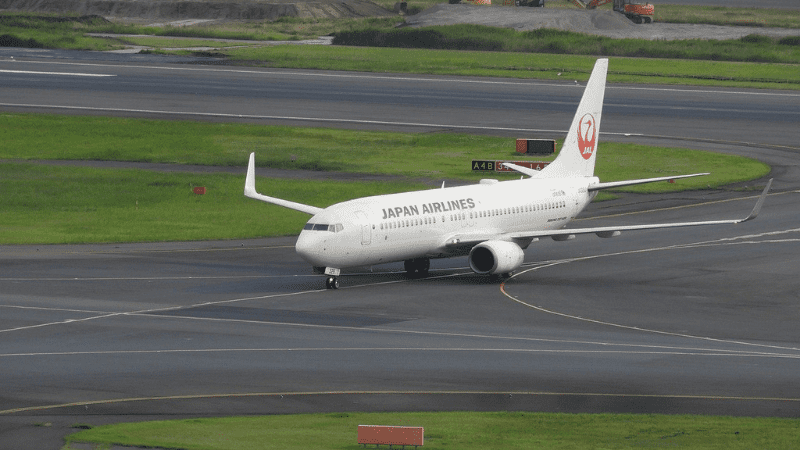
[
  {"x": 697, "y": 320},
  {"x": 141, "y": 86}
]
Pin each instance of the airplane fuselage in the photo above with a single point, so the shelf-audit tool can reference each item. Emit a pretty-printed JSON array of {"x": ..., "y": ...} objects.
[{"x": 398, "y": 227}]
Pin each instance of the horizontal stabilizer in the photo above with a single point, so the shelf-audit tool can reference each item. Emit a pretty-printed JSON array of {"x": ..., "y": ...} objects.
[
  {"x": 524, "y": 170},
  {"x": 250, "y": 191}
]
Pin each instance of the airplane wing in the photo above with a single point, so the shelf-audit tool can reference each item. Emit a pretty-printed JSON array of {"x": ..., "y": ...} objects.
[
  {"x": 605, "y": 232},
  {"x": 250, "y": 191},
  {"x": 613, "y": 184},
  {"x": 533, "y": 173}
]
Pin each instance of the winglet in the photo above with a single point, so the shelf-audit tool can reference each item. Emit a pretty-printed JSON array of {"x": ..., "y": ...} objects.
[
  {"x": 250, "y": 191},
  {"x": 250, "y": 181},
  {"x": 757, "y": 208}
]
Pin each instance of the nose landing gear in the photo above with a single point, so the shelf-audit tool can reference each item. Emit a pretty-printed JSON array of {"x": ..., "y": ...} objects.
[{"x": 332, "y": 283}]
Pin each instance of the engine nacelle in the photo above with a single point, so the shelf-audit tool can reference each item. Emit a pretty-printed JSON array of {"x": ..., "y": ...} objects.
[{"x": 492, "y": 257}]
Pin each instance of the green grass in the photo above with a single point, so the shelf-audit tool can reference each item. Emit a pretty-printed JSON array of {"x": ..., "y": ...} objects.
[
  {"x": 51, "y": 31},
  {"x": 520, "y": 65},
  {"x": 118, "y": 139},
  {"x": 67, "y": 31},
  {"x": 484, "y": 38},
  {"x": 429, "y": 155},
  {"x": 458, "y": 430},
  {"x": 53, "y": 204},
  {"x": 282, "y": 29}
]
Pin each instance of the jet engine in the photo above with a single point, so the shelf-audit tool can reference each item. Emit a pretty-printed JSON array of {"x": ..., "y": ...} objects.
[{"x": 492, "y": 257}]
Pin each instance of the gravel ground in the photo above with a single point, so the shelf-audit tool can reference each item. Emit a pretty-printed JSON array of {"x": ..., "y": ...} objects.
[{"x": 603, "y": 23}]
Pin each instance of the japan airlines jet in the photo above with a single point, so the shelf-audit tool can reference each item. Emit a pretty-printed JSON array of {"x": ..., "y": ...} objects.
[{"x": 492, "y": 222}]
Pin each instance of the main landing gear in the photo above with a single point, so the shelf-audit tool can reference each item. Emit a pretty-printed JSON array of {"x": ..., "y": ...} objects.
[{"x": 417, "y": 267}]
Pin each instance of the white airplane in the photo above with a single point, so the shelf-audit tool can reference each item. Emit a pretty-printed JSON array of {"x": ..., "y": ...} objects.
[{"x": 492, "y": 222}]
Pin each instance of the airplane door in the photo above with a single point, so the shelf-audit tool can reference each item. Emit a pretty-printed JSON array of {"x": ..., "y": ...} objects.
[
  {"x": 467, "y": 221},
  {"x": 366, "y": 231}
]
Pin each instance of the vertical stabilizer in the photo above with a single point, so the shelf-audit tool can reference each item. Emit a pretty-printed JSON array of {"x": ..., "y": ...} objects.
[{"x": 578, "y": 154}]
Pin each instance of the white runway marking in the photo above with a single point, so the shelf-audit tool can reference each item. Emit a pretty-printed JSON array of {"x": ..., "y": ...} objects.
[
  {"x": 698, "y": 352},
  {"x": 631, "y": 348},
  {"x": 608, "y": 347},
  {"x": 221, "y": 395},
  {"x": 443, "y": 79},
  {"x": 149, "y": 311},
  {"x": 292, "y": 118},
  {"x": 382, "y": 123},
  {"x": 72, "y": 74},
  {"x": 739, "y": 240},
  {"x": 236, "y": 277}
]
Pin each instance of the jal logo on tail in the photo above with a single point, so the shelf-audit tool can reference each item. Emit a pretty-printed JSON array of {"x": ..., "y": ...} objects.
[{"x": 587, "y": 136}]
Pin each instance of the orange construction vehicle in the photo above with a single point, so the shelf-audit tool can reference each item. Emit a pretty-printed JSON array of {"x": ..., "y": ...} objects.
[{"x": 637, "y": 12}]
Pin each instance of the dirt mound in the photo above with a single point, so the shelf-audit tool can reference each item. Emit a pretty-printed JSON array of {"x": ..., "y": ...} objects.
[
  {"x": 601, "y": 23},
  {"x": 199, "y": 9},
  {"x": 522, "y": 19}
]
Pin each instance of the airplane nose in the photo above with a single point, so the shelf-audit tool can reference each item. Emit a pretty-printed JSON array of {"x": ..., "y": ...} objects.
[{"x": 307, "y": 248}]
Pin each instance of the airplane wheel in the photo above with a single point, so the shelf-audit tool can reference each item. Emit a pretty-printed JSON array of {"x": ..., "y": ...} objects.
[
  {"x": 424, "y": 265},
  {"x": 332, "y": 283}
]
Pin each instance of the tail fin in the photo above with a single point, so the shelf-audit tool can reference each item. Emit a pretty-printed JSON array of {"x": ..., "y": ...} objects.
[{"x": 578, "y": 154}]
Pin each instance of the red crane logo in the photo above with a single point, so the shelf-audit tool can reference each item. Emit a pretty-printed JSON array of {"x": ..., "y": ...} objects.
[{"x": 587, "y": 136}]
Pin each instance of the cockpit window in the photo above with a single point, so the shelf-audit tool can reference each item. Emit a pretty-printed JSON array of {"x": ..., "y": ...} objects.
[{"x": 324, "y": 227}]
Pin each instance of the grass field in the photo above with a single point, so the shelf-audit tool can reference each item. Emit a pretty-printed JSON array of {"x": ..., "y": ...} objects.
[
  {"x": 753, "y": 48},
  {"x": 434, "y": 156},
  {"x": 53, "y": 204},
  {"x": 521, "y": 65},
  {"x": 459, "y": 430}
]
